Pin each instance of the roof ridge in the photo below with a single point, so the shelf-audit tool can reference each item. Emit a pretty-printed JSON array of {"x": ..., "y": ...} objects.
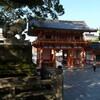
[
  {"x": 64, "y": 24},
  {"x": 64, "y": 20}
]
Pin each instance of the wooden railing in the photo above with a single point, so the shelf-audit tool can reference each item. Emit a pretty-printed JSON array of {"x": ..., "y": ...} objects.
[{"x": 60, "y": 41}]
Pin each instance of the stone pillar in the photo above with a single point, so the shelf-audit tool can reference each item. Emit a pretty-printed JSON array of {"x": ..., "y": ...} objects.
[{"x": 16, "y": 53}]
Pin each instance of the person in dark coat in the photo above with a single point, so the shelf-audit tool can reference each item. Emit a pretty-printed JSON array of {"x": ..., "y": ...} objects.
[{"x": 94, "y": 66}]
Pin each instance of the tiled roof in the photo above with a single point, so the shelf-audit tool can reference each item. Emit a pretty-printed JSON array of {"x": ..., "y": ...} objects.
[
  {"x": 95, "y": 45},
  {"x": 60, "y": 24}
]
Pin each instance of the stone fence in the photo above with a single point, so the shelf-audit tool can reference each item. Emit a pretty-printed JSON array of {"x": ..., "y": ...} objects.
[{"x": 32, "y": 87}]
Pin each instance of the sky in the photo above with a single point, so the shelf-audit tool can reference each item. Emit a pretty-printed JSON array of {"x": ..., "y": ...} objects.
[{"x": 82, "y": 10}]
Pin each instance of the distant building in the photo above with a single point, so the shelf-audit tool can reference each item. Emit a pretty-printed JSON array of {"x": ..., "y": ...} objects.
[
  {"x": 93, "y": 53},
  {"x": 89, "y": 36}
]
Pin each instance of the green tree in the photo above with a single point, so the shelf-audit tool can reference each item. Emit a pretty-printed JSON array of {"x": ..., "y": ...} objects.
[
  {"x": 11, "y": 10},
  {"x": 99, "y": 34}
]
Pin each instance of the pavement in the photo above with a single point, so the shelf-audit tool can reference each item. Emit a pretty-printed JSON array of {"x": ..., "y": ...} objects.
[{"x": 81, "y": 84}]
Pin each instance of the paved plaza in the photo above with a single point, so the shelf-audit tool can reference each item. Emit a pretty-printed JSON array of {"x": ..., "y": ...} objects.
[{"x": 81, "y": 84}]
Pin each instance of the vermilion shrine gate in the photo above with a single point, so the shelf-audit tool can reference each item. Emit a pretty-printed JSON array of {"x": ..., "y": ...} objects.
[{"x": 55, "y": 35}]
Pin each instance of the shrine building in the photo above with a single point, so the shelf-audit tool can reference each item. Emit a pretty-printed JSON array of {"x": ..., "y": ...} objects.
[
  {"x": 60, "y": 35},
  {"x": 93, "y": 53}
]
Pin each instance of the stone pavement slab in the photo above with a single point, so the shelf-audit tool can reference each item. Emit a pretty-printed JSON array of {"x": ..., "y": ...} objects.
[{"x": 81, "y": 84}]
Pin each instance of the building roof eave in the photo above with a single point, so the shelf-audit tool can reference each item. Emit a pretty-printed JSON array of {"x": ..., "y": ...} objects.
[{"x": 62, "y": 25}]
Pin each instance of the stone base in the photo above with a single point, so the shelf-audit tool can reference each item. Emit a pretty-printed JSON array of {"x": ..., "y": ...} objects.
[{"x": 15, "y": 53}]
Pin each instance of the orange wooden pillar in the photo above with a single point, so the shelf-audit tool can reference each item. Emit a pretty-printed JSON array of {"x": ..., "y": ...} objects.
[
  {"x": 54, "y": 58},
  {"x": 68, "y": 58},
  {"x": 94, "y": 56},
  {"x": 72, "y": 57},
  {"x": 77, "y": 61},
  {"x": 83, "y": 58},
  {"x": 41, "y": 57},
  {"x": 86, "y": 57}
]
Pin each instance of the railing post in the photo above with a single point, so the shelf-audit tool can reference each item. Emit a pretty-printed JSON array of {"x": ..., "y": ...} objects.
[
  {"x": 59, "y": 78},
  {"x": 12, "y": 92}
]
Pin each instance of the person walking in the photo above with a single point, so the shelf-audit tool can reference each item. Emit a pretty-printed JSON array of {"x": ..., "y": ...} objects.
[{"x": 94, "y": 66}]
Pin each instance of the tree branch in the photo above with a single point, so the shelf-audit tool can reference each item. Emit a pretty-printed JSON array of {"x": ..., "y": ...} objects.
[{"x": 7, "y": 4}]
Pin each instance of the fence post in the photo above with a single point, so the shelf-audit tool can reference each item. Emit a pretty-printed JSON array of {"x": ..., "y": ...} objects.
[{"x": 59, "y": 78}]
